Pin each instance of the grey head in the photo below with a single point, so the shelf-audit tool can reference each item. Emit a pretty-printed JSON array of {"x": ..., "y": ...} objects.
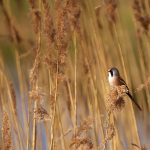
[{"x": 113, "y": 72}]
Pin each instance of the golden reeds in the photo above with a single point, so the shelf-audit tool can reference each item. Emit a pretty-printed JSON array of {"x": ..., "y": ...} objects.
[{"x": 56, "y": 96}]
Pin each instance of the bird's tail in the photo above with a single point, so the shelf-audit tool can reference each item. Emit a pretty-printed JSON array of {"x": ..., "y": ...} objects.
[{"x": 134, "y": 101}]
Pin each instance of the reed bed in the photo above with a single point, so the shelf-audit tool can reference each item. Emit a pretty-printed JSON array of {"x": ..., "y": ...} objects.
[{"x": 54, "y": 58}]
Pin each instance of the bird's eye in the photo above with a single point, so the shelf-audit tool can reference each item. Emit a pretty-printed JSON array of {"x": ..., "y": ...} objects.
[{"x": 111, "y": 73}]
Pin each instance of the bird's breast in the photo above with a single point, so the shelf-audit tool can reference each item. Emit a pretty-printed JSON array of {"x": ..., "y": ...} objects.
[{"x": 114, "y": 81}]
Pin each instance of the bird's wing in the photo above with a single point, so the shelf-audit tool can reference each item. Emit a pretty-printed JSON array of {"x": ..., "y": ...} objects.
[
  {"x": 123, "y": 83},
  {"x": 128, "y": 93}
]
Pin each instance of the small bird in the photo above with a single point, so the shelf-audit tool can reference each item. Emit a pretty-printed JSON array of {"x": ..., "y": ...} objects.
[{"x": 115, "y": 80}]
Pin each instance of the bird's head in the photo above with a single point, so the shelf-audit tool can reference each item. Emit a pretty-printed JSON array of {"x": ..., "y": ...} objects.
[{"x": 113, "y": 72}]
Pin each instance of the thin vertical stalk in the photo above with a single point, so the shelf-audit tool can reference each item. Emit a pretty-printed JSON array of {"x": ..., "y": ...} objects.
[
  {"x": 50, "y": 84},
  {"x": 120, "y": 52},
  {"x": 34, "y": 128},
  {"x": 75, "y": 83},
  {"x": 54, "y": 113},
  {"x": 61, "y": 128},
  {"x": 70, "y": 98},
  {"x": 35, "y": 102}
]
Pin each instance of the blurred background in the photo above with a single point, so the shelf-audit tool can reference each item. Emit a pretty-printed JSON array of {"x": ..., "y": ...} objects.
[{"x": 54, "y": 58}]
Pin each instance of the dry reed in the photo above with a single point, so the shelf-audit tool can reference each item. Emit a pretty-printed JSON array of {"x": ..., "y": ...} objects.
[{"x": 6, "y": 132}]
